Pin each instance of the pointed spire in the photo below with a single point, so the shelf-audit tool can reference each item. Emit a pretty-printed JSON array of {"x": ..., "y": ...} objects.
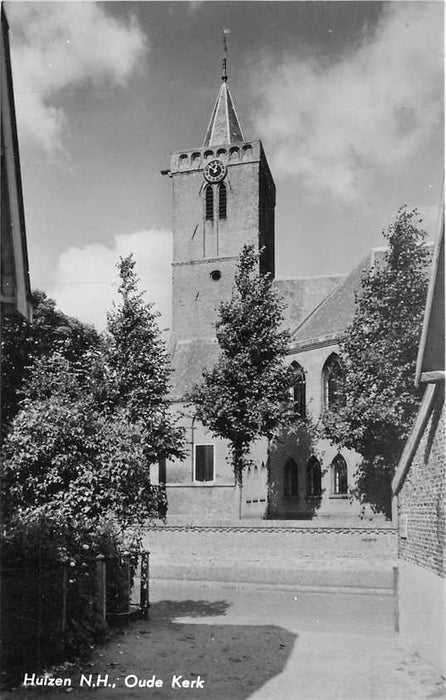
[
  {"x": 224, "y": 126},
  {"x": 224, "y": 76}
]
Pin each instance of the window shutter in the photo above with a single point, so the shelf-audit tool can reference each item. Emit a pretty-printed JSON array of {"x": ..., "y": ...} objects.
[{"x": 204, "y": 463}]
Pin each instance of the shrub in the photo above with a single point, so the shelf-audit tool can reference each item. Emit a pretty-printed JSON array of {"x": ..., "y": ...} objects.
[{"x": 41, "y": 557}]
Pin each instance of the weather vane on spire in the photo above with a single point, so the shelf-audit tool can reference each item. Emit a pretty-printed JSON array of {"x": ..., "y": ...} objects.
[{"x": 226, "y": 31}]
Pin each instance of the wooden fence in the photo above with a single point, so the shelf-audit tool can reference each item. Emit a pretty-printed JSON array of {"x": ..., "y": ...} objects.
[{"x": 43, "y": 604}]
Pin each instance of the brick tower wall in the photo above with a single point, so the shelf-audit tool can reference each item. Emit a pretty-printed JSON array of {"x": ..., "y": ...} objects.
[{"x": 203, "y": 247}]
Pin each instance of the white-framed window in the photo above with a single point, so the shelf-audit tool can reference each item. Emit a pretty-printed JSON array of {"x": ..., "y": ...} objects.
[{"x": 204, "y": 463}]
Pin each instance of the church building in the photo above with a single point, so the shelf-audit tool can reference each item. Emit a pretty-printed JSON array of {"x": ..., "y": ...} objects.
[{"x": 223, "y": 196}]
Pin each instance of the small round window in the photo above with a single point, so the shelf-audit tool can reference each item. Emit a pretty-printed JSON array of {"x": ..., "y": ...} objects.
[{"x": 215, "y": 275}]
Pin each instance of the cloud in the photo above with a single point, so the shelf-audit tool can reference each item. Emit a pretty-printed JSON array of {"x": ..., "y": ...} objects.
[
  {"x": 430, "y": 215},
  {"x": 87, "y": 278},
  {"x": 193, "y": 6},
  {"x": 333, "y": 124},
  {"x": 59, "y": 46}
]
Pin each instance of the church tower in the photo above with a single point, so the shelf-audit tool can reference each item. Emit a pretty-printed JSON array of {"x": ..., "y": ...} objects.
[{"x": 223, "y": 198}]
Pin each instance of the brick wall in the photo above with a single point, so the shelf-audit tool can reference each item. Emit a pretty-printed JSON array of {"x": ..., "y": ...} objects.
[
  {"x": 421, "y": 502},
  {"x": 196, "y": 296},
  {"x": 203, "y": 503}
]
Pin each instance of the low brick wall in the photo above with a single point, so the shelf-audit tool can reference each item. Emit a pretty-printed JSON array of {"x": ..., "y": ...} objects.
[
  {"x": 316, "y": 557},
  {"x": 205, "y": 503}
]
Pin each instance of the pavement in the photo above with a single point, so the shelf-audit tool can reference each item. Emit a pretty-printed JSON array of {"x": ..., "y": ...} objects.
[
  {"x": 253, "y": 613},
  {"x": 244, "y": 641},
  {"x": 344, "y": 646}
]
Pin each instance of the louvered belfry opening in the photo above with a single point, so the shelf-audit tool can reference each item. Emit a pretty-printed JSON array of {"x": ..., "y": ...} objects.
[
  {"x": 209, "y": 206},
  {"x": 222, "y": 201}
]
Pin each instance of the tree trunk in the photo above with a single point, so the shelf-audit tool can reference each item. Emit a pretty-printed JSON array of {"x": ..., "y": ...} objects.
[{"x": 238, "y": 474}]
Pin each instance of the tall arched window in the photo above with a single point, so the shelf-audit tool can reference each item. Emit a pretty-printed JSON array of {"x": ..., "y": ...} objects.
[
  {"x": 209, "y": 197},
  {"x": 290, "y": 481},
  {"x": 314, "y": 477},
  {"x": 222, "y": 201},
  {"x": 299, "y": 390},
  {"x": 334, "y": 379},
  {"x": 339, "y": 483}
]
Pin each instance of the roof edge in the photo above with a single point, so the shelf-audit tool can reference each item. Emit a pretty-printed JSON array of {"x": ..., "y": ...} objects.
[
  {"x": 414, "y": 438},
  {"x": 439, "y": 241}
]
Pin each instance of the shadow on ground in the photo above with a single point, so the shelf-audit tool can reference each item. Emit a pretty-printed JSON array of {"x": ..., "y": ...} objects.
[
  {"x": 232, "y": 660},
  {"x": 165, "y": 612}
]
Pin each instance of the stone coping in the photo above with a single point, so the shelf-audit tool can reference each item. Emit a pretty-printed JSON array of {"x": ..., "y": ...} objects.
[{"x": 339, "y": 525}]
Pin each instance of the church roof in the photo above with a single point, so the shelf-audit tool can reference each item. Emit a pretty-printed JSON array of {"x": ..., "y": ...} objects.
[
  {"x": 304, "y": 294},
  {"x": 331, "y": 317},
  {"x": 318, "y": 310},
  {"x": 224, "y": 126},
  {"x": 191, "y": 357}
]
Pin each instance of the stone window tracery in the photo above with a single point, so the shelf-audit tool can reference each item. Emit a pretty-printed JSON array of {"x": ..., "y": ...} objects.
[
  {"x": 334, "y": 383},
  {"x": 339, "y": 476}
]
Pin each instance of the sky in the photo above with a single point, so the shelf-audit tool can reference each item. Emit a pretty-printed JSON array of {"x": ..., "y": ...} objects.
[{"x": 347, "y": 98}]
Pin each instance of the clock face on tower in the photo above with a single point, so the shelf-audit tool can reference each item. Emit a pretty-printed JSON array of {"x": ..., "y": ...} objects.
[{"x": 214, "y": 171}]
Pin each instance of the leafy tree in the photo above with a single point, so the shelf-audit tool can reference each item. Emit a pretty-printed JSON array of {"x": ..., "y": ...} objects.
[
  {"x": 135, "y": 369},
  {"x": 242, "y": 398},
  {"x": 90, "y": 425},
  {"x": 24, "y": 342},
  {"x": 64, "y": 457},
  {"x": 379, "y": 351}
]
